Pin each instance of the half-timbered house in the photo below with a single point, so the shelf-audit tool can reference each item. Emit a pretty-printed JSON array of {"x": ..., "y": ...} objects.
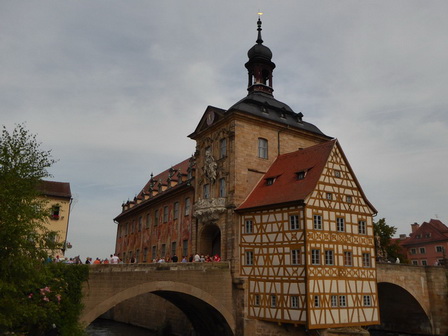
[{"x": 307, "y": 246}]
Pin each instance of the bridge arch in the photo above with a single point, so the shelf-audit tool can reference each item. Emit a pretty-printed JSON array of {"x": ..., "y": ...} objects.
[
  {"x": 401, "y": 311},
  {"x": 207, "y": 315}
]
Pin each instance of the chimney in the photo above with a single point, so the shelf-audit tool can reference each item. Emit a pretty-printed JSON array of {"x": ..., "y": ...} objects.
[
  {"x": 402, "y": 236},
  {"x": 414, "y": 227}
]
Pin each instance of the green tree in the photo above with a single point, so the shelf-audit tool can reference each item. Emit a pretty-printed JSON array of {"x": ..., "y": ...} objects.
[
  {"x": 387, "y": 249},
  {"x": 30, "y": 299}
]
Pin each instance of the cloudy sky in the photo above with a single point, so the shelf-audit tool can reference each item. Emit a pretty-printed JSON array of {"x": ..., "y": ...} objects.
[{"x": 113, "y": 88}]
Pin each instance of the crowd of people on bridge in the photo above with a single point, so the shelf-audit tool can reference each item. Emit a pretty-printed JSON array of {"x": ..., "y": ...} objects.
[
  {"x": 192, "y": 258},
  {"x": 114, "y": 259}
]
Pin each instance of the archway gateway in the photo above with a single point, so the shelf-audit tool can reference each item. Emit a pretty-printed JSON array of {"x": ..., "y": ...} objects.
[{"x": 210, "y": 240}]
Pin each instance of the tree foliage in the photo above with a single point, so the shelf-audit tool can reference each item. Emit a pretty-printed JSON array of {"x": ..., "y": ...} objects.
[
  {"x": 31, "y": 295},
  {"x": 387, "y": 248}
]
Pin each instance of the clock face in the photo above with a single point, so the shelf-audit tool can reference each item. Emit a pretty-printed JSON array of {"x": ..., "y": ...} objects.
[{"x": 210, "y": 117}]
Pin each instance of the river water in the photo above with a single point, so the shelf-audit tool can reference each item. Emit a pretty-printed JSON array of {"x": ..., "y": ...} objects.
[{"x": 102, "y": 327}]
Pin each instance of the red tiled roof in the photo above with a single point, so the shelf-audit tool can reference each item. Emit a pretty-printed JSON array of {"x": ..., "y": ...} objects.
[
  {"x": 435, "y": 230},
  {"x": 286, "y": 187},
  {"x": 163, "y": 176},
  {"x": 52, "y": 188}
]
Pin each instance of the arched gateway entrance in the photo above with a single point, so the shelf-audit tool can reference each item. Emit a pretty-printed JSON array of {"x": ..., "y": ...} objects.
[{"x": 210, "y": 240}]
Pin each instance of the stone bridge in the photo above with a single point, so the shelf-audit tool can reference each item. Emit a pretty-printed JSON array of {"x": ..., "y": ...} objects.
[
  {"x": 203, "y": 291},
  {"x": 412, "y": 299}
]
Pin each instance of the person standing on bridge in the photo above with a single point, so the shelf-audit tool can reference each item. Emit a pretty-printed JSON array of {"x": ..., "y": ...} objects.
[
  {"x": 114, "y": 259},
  {"x": 197, "y": 258}
]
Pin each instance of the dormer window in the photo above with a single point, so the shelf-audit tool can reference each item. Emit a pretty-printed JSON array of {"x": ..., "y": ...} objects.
[
  {"x": 300, "y": 175},
  {"x": 270, "y": 181}
]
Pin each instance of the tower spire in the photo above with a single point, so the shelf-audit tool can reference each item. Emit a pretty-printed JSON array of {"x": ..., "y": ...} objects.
[
  {"x": 260, "y": 66},
  {"x": 259, "y": 39}
]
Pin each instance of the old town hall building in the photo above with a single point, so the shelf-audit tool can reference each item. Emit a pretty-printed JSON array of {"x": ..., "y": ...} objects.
[{"x": 274, "y": 196}]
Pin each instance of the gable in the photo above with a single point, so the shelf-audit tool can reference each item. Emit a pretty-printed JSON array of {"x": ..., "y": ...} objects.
[
  {"x": 338, "y": 187},
  {"x": 211, "y": 116}
]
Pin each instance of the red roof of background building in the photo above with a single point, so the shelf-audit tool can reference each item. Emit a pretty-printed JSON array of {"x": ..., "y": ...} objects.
[
  {"x": 286, "y": 187},
  {"x": 435, "y": 230},
  {"x": 163, "y": 176},
  {"x": 57, "y": 189}
]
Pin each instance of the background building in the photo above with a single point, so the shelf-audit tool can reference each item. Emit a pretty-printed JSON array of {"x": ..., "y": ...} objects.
[
  {"x": 427, "y": 244},
  {"x": 58, "y": 198}
]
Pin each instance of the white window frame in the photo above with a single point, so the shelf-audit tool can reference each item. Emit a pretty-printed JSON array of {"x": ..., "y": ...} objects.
[
  {"x": 340, "y": 224},
  {"x": 366, "y": 260},
  {"x": 295, "y": 257},
  {"x": 329, "y": 257},
  {"x": 294, "y": 223},
  {"x": 248, "y": 226},
  {"x": 273, "y": 301},
  {"x": 249, "y": 258},
  {"x": 362, "y": 227},
  {"x": 257, "y": 300},
  {"x": 294, "y": 302},
  {"x": 317, "y": 222},
  {"x": 348, "y": 258},
  {"x": 315, "y": 257},
  {"x": 367, "y": 300},
  {"x": 334, "y": 300}
]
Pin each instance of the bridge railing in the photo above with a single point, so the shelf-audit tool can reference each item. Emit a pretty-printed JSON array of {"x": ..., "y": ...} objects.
[{"x": 143, "y": 267}]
